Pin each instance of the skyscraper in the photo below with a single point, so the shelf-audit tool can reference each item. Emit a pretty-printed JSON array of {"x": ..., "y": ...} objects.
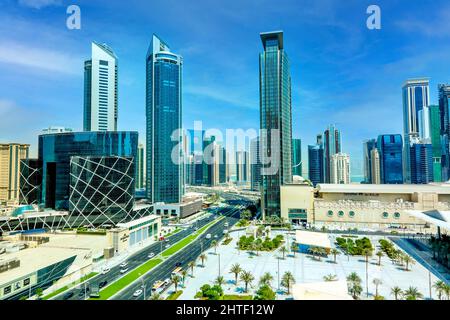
[
  {"x": 297, "y": 157},
  {"x": 340, "y": 168},
  {"x": 444, "y": 96},
  {"x": 332, "y": 145},
  {"x": 315, "y": 164},
  {"x": 375, "y": 167},
  {"x": 255, "y": 163},
  {"x": 101, "y": 90},
  {"x": 390, "y": 148},
  {"x": 435, "y": 133},
  {"x": 421, "y": 155},
  {"x": 416, "y": 97},
  {"x": 163, "y": 108},
  {"x": 242, "y": 167},
  {"x": 275, "y": 119},
  {"x": 11, "y": 155},
  {"x": 368, "y": 146},
  {"x": 140, "y": 179}
]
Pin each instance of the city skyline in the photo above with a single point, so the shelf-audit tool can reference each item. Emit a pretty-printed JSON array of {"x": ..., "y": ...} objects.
[{"x": 59, "y": 59}]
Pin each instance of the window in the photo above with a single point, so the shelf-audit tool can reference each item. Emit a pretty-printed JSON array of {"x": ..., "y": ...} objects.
[
  {"x": 385, "y": 215},
  {"x": 351, "y": 214},
  {"x": 341, "y": 213},
  {"x": 26, "y": 281},
  {"x": 397, "y": 215},
  {"x": 330, "y": 213},
  {"x": 7, "y": 290}
]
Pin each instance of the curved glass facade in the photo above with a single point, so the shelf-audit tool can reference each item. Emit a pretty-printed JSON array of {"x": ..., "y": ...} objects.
[
  {"x": 56, "y": 150},
  {"x": 390, "y": 148}
]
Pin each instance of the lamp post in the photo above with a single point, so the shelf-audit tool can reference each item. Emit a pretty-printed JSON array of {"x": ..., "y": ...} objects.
[{"x": 219, "y": 263}]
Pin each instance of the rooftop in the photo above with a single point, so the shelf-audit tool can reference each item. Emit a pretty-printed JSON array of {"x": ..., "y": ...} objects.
[
  {"x": 384, "y": 188},
  {"x": 332, "y": 290},
  {"x": 272, "y": 34},
  {"x": 315, "y": 239}
]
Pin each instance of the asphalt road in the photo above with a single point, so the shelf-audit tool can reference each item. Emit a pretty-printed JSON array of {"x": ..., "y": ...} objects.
[{"x": 190, "y": 253}]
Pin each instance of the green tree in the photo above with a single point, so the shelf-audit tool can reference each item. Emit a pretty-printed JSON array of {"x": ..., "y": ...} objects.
[
  {"x": 215, "y": 244},
  {"x": 408, "y": 261},
  {"x": 439, "y": 286},
  {"x": 283, "y": 251},
  {"x": 155, "y": 296},
  {"x": 39, "y": 293},
  {"x": 265, "y": 292},
  {"x": 335, "y": 252},
  {"x": 330, "y": 278},
  {"x": 192, "y": 265},
  {"x": 287, "y": 281},
  {"x": 184, "y": 274},
  {"x": 294, "y": 247},
  {"x": 219, "y": 281},
  {"x": 247, "y": 277},
  {"x": 203, "y": 258},
  {"x": 377, "y": 283},
  {"x": 413, "y": 294},
  {"x": 396, "y": 292},
  {"x": 176, "y": 280},
  {"x": 354, "y": 285},
  {"x": 266, "y": 279},
  {"x": 380, "y": 255},
  {"x": 236, "y": 269}
]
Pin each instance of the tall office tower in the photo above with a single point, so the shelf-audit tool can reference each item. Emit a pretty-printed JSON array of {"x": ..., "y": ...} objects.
[
  {"x": 208, "y": 165},
  {"x": 101, "y": 90},
  {"x": 140, "y": 167},
  {"x": 275, "y": 119},
  {"x": 421, "y": 155},
  {"x": 340, "y": 168},
  {"x": 444, "y": 96},
  {"x": 51, "y": 130},
  {"x": 223, "y": 165},
  {"x": 195, "y": 141},
  {"x": 390, "y": 148},
  {"x": 255, "y": 165},
  {"x": 375, "y": 166},
  {"x": 297, "y": 157},
  {"x": 242, "y": 167},
  {"x": 11, "y": 155},
  {"x": 30, "y": 181},
  {"x": 332, "y": 146},
  {"x": 315, "y": 164},
  {"x": 368, "y": 146},
  {"x": 164, "y": 107},
  {"x": 435, "y": 132},
  {"x": 416, "y": 97}
]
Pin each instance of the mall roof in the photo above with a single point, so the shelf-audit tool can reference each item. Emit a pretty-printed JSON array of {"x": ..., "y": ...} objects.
[
  {"x": 331, "y": 290},
  {"x": 384, "y": 188},
  {"x": 435, "y": 217},
  {"x": 137, "y": 222},
  {"x": 313, "y": 239}
]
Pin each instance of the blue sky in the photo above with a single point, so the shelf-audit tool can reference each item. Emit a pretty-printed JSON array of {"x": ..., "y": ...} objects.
[{"x": 342, "y": 72}]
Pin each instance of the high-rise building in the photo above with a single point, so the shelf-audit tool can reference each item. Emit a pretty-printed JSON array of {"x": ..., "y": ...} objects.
[
  {"x": 368, "y": 146},
  {"x": 331, "y": 146},
  {"x": 297, "y": 157},
  {"x": 390, "y": 149},
  {"x": 164, "y": 110},
  {"x": 30, "y": 181},
  {"x": 101, "y": 90},
  {"x": 444, "y": 96},
  {"x": 255, "y": 164},
  {"x": 242, "y": 167},
  {"x": 435, "y": 135},
  {"x": 421, "y": 155},
  {"x": 375, "y": 167},
  {"x": 275, "y": 119},
  {"x": 416, "y": 97},
  {"x": 315, "y": 164},
  {"x": 340, "y": 168},
  {"x": 140, "y": 164},
  {"x": 11, "y": 155},
  {"x": 54, "y": 129}
]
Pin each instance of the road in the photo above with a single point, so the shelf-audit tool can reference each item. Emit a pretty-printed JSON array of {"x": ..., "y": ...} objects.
[{"x": 188, "y": 254}]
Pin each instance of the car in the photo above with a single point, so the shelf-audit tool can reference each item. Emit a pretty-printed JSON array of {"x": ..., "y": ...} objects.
[
  {"x": 178, "y": 264},
  {"x": 68, "y": 295},
  {"x": 137, "y": 293},
  {"x": 167, "y": 240},
  {"x": 123, "y": 264},
  {"x": 102, "y": 284},
  {"x": 208, "y": 236},
  {"x": 167, "y": 245},
  {"x": 151, "y": 255},
  {"x": 106, "y": 270},
  {"x": 216, "y": 236},
  {"x": 123, "y": 270}
]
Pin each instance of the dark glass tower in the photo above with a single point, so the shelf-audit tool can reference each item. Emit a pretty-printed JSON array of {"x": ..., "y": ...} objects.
[
  {"x": 368, "y": 146},
  {"x": 315, "y": 164},
  {"x": 444, "y": 96},
  {"x": 255, "y": 164},
  {"x": 275, "y": 117},
  {"x": 331, "y": 146},
  {"x": 390, "y": 149},
  {"x": 297, "y": 157},
  {"x": 435, "y": 134},
  {"x": 421, "y": 155},
  {"x": 163, "y": 109}
]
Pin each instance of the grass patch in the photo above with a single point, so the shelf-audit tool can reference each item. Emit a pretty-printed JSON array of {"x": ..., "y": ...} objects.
[
  {"x": 67, "y": 287},
  {"x": 236, "y": 297},
  {"x": 227, "y": 241},
  {"x": 175, "y": 295},
  {"x": 115, "y": 287}
]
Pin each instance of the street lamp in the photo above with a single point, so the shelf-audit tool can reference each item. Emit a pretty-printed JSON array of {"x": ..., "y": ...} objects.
[{"x": 219, "y": 263}]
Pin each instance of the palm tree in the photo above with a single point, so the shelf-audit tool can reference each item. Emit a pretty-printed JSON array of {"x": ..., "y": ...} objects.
[
  {"x": 184, "y": 274},
  {"x": 155, "y": 296},
  {"x": 203, "y": 258},
  {"x": 354, "y": 285},
  {"x": 379, "y": 254},
  {"x": 266, "y": 279},
  {"x": 396, "y": 292},
  {"x": 215, "y": 244},
  {"x": 408, "y": 260},
  {"x": 330, "y": 277},
  {"x": 176, "y": 280},
  {"x": 236, "y": 269},
  {"x": 294, "y": 247},
  {"x": 247, "y": 277},
  {"x": 439, "y": 286},
  {"x": 335, "y": 252},
  {"x": 39, "y": 292},
  {"x": 413, "y": 294},
  {"x": 367, "y": 252},
  {"x": 283, "y": 251},
  {"x": 377, "y": 282},
  {"x": 219, "y": 281},
  {"x": 287, "y": 281},
  {"x": 191, "y": 265}
]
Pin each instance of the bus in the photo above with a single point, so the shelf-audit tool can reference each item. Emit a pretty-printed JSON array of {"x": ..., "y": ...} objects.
[
  {"x": 177, "y": 271},
  {"x": 158, "y": 287},
  {"x": 94, "y": 291}
]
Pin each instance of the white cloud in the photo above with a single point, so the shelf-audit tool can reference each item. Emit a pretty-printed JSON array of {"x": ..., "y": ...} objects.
[
  {"x": 223, "y": 95},
  {"x": 38, "y": 4},
  {"x": 41, "y": 58}
]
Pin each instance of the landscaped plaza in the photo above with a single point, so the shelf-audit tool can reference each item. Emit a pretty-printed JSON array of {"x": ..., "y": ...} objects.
[{"x": 305, "y": 268}]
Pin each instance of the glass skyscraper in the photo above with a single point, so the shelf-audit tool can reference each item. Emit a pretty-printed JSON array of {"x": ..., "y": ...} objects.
[
  {"x": 163, "y": 109},
  {"x": 421, "y": 155},
  {"x": 297, "y": 157},
  {"x": 444, "y": 96},
  {"x": 101, "y": 90},
  {"x": 390, "y": 149},
  {"x": 435, "y": 133},
  {"x": 255, "y": 164},
  {"x": 331, "y": 146},
  {"x": 368, "y": 146},
  {"x": 315, "y": 164},
  {"x": 275, "y": 114}
]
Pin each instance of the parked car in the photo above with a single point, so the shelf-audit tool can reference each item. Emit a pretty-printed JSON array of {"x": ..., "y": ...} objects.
[
  {"x": 137, "y": 293},
  {"x": 123, "y": 264},
  {"x": 208, "y": 236},
  {"x": 123, "y": 270},
  {"x": 68, "y": 295},
  {"x": 106, "y": 270},
  {"x": 151, "y": 255},
  {"x": 102, "y": 284}
]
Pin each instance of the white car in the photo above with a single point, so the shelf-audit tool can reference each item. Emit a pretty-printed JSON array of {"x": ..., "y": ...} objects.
[
  {"x": 123, "y": 270},
  {"x": 208, "y": 236},
  {"x": 151, "y": 255},
  {"x": 137, "y": 293},
  {"x": 106, "y": 270},
  {"x": 123, "y": 264}
]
